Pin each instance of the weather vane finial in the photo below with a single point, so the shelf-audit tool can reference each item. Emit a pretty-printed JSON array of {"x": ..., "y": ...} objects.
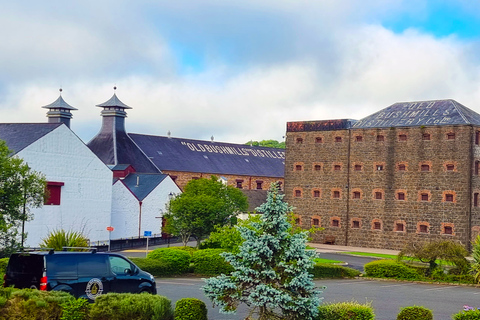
[
  {"x": 115, "y": 88},
  {"x": 60, "y": 90}
]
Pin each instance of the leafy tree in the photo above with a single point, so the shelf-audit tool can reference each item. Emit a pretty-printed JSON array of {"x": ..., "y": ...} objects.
[
  {"x": 20, "y": 190},
  {"x": 430, "y": 252},
  {"x": 267, "y": 143},
  {"x": 204, "y": 204},
  {"x": 271, "y": 269}
]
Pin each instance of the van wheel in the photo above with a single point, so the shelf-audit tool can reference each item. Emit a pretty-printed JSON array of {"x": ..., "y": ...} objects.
[{"x": 146, "y": 291}]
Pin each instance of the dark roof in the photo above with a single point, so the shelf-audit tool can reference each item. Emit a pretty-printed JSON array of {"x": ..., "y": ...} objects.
[
  {"x": 176, "y": 154},
  {"x": 20, "y": 135},
  {"x": 255, "y": 198},
  {"x": 320, "y": 125},
  {"x": 119, "y": 167},
  {"x": 59, "y": 104},
  {"x": 421, "y": 113},
  {"x": 114, "y": 102},
  {"x": 146, "y": 183}
]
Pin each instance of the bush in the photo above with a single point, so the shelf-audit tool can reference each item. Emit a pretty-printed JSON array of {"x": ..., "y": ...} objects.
[
  {"x": 209, "y": 262},
  {"x": 176, "y": 261},
  {"x": 155, "y": 267},
  {"x": 345, "y": 311},
  {"x": 76, "y": 309},
  {"x": 468, "y": 313},
  {"x": 58, "y": 239},
  {"x": 128, "y": 306},
  {"x": 326, "y": 270},
  {"x": 390, "y": 269},
  {"x": 190, "y": 309},
  {"x": 3, "y": 265},
  {"x": 32, "y": 304},
  {"x": 415, "y": 313}
]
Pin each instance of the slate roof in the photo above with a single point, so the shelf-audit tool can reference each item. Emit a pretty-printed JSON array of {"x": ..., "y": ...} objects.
[
  {"x": 187, "y": 155},
  {"x": 59, "y": 104},
  {"x": 147, "y": 183},
  {"x": 421, "y": 113},
  {"x": 20, "y": 135},
  {"x": 114, "y": 102}
]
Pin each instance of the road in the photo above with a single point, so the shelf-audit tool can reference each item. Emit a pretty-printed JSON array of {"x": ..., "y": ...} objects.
[{"x": 386, "y": 296}]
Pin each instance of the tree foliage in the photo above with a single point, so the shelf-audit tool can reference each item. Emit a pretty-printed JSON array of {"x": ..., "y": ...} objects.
[
  {"x": 204, "y": 204},
  {"x": 475, "y": 266},
  {"x": 430, "y": 252},
  {"x": 21, "y": 189},
  {"x": 267, "y": 143},
  {"x": 271, "y": 269}
]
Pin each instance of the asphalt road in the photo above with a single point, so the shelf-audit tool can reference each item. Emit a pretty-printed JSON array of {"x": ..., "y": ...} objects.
[{"x": 386, "y": 296}]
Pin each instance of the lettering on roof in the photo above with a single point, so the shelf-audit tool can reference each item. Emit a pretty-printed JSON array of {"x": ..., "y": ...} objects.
[
  {"x": 246, "y": 152},
  {"x": 321, "y": 125}
]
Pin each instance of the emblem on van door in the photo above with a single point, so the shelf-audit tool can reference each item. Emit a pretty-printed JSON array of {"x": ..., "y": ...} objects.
[{"x": 94, "y": 288}]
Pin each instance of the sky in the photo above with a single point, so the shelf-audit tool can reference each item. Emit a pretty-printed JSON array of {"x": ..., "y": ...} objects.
[{"x": 235, "y": 70}]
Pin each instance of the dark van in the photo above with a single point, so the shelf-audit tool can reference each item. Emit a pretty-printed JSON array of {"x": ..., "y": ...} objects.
[{"x": 82, "y": 274}]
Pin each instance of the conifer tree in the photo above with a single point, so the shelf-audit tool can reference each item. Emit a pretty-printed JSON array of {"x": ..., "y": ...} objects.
[{"x": 271, "y": 270}]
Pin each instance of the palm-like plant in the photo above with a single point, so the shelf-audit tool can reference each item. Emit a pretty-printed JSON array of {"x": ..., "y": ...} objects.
[
  {"x": 58, "y": 239},
  {"x": 475, "y": 267}
]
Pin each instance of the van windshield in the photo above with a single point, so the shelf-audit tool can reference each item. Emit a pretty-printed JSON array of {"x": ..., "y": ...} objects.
[{"x": 25, "y": 263}]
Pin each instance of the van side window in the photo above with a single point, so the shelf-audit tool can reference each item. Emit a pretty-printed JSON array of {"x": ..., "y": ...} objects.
[
  {"x": 62, "y": 266},
  {"x": 92, "y": 266},
  {"x": 119, "y": 266}
]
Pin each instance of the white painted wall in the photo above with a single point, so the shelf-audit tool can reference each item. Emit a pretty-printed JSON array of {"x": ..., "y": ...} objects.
[
  {"x": 87, "y": 194},
  {"x": 126, "y": 209}
]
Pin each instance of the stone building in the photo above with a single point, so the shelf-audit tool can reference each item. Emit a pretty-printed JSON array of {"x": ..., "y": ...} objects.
[{"x": 406, "y": 173}]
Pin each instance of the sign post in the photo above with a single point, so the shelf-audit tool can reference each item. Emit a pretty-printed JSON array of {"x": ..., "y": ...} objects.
[
  {"x": 147, "y": 234},
  {"x": 109, "y": 229}
]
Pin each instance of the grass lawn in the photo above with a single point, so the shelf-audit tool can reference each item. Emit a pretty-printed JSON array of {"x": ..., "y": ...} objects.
[
  {"x": 320, "y": 260},
  {"x": 391, "y": 256}
]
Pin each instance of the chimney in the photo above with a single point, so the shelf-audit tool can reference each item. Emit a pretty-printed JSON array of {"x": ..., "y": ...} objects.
[
  {"x": 113, "y": 114},
  {"x": 59, "y": 111}
]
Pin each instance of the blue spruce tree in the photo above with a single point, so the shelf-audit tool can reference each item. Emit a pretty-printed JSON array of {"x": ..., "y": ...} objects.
[{"x": 271, "y": 270}]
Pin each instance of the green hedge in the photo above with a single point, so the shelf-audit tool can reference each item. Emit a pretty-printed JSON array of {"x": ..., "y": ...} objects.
[
  {"x": 129, "y": 306},
  {"x": 157, "y": 268},
  {"x": 176, "y": 261},
  {"x": 209, "y": 262},
  {"x": 390, "y": 269},
  {"x": 327, "y": 270},
  {"x": 415, "y": 313},
  {"x": 3, "y": 265},
  {"x": 345, "y": 311},
  {"x": 190, "y": 309},
  {"x": 31, "y": 304},
  {"x": 469, "y": 314}
]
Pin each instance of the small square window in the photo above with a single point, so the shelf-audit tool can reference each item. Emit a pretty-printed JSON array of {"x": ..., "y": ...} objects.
[
  {"x": 317, "y": 167},
  {"x": 358, "y": 138},
  {"x": 336, "y": 194},
  {"x": 399, "y": 227},
  {"x": 379, "y": 167},
  {"x": 318, "y": 140},
  {"x": 355, "y": 224},
  {"x": 450, "y": 167},
  {"x": 447, "y": 230},
  {"x": 402, "y": 167},
  {"x": 316, "y": 222},
  {"x": 239, "y": 184},
  {"x": 425, "y": 167},
  {"x": 316, "y": 194},
  {"x": 298, "y": 193},
  {"x": 338, "y": 139},
  {"x": 337, "y": 167},
  {"x": 377, "y": 225},
  {"x": 259, "y": 185},
  {"x": 424, "y": 196},
  {"x": 402, "y": 137},
  {"x": 450, "y": 136},
  {"x": 335, "y": 223},
  {"x": 380, "y": 138},
  {"x": 378, "y": 195},
  {"x": 423, "y": 228},
  {"x": 298, "y": 167},
  {"x": 401, "y": 196},
  {"x": 299, "y": 140},
  {"x": 426, "y": 136},
  {"x": 358, "y": 167},
  {"x": 449, "y": 197},
  {"x": 356, "y": 195}
]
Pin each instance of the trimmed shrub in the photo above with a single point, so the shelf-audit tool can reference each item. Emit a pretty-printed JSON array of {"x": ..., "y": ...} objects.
[
  {"x": 32, "y": 304},
  {"x": 190, "y": 250},
  {"x": 128, "y": 306},
  {"x": 157, "y": 268},
  {"x": 176, "y": 261},
  {"x": 209, "y": 262},
  {"x": 3, "y": 265},
  {"x": 190, "y": 309},
  {"x": 390, "y": 269},
  {"x": 415, "y": 313},
  {"x": 345, "y": 311},
  {"x": 468, "y": 313},
  {"x": 76, "y": 309},
  {"x": 327, "y": 270}
]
